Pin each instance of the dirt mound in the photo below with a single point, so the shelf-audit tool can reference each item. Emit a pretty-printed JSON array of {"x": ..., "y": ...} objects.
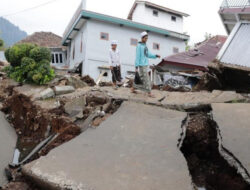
[{"x": 88, "y": 80}]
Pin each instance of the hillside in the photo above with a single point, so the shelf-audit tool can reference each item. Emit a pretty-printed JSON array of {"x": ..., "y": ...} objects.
[{"x": 10, "y": 33}]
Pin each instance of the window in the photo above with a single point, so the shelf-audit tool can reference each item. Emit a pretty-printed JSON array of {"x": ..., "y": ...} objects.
[
  {"x": 133, "y": 42},
  {"x": 175, "y": 50},
  {"x": 73, "y": 52},
  {"x": 104, "y": 36},
  {"x": 57, "y": 58},
  {"x": 155, "y": 13},
  {"x": 60, "y": 58},
  {"x": 156, "y": 46},
  {"x": 53, "y": 58},
  {"x": 81, "y": 45},
  {"x": 173, "y": 18}
]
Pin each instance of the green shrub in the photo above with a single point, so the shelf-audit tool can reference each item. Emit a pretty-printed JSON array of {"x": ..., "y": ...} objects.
[
  {"x": 29, "y": 63},
  {"x": 7, "y": 54},
  {"x": 31, "y": 72},
  {"x": 40, "y": 53},
  {"x": 15, "y": 54}
]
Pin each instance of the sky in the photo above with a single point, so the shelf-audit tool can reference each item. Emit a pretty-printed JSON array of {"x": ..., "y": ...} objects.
[{"x": 56, "y": 15}]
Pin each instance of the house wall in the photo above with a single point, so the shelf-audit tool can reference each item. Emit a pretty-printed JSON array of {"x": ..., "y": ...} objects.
[
  {"x": 145, "y": 15},
  {"x": 96, "y": 51},
  {"x": 75, "y": 46}
]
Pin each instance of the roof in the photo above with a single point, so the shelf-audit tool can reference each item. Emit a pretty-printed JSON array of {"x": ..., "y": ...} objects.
[
  {"x": 81, "y": 15},
  {"x": 199, "y": 57},
  {"x": 236, "y": 51},
  {"x": 44, "y": 39},
  {"x": 155, "y": 6}
]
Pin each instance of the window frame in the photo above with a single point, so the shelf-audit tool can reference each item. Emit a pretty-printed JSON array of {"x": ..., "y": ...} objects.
[
  {"x": 173, "y": 18},
  {"x": 176, "y": 50},
  {"x": 155, "y": 13},
  {"x": 131, "y": 42},
  {"x": 156, "y": 44},
  {"x": 104, "y": 33}
]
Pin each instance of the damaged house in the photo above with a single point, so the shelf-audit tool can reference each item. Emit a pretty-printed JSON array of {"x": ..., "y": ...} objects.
[
  {"x": 51, "y": 41},
  {"x": 179, "y": 69},
  {"x": 89, "y": 34}
]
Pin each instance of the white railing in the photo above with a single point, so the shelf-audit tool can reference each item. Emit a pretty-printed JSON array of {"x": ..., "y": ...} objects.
[{"x": 235, "y": 3}]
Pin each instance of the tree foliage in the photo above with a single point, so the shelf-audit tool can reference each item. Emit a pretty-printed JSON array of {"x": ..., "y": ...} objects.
[{"x": 29, "y": 63}]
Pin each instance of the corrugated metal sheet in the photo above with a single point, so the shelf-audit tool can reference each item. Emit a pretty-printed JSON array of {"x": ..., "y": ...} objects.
[
  {"x": 200, "y": 57},
  {"x": 238, "y": 51}
]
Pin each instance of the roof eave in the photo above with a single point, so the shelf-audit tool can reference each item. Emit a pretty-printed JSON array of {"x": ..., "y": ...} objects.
[{"x": 88, "y": 14}]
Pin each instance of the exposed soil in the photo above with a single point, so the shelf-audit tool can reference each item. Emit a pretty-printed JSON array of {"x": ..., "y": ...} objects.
[
  {"x": 88, "y": 80},
  {"x": 225, "y": 77},
  {"x": 207, "y": 166}
]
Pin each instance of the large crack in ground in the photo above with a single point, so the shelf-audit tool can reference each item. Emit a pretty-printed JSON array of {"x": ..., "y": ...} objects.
[
  {"x": 34, "y": 125},
  {"x": 211, "y": 166}
]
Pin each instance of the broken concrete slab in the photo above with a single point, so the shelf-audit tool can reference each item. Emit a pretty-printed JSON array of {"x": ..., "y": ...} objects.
[
  {"x": 136, "y": 148},
  {"x": 8, "y": 140},
  {"x": 46, "y": 94},
  {"x": 234, "y": 123},
  {"x": 59, "y": 90},
  {"x": 176, "y": 98},
  {"x": 75, "y": 81}
]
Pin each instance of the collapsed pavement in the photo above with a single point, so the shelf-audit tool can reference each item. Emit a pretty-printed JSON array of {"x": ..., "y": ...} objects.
[{"x": 45, "y": 122}]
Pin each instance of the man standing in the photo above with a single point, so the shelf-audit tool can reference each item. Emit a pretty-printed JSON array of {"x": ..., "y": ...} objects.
[
  {"x": 115, "y": 63},
  {"x": 141, "y": 64}
]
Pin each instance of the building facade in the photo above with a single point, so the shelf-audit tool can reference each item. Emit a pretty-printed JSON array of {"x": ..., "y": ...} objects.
[
  {"x": 235, "y": 16},
  {"x": 88, "y": 40}
]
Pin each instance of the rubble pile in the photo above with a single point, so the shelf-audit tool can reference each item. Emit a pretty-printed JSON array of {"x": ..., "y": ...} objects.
[
  {"x": 232, "y": 76},
  {"x": 87, "y": 79}
]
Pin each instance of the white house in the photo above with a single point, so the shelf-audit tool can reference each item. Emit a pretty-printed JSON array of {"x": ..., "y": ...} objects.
[{"x": 89, "y": 35}]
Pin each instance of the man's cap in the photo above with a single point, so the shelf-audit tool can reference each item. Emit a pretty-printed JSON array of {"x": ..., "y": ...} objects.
[
  {"x": 143, "y": 34},
  {"x": 114, "y": 42}
]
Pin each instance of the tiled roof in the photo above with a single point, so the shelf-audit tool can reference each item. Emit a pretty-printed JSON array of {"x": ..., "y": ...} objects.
[{"x": 44, "y": 39}]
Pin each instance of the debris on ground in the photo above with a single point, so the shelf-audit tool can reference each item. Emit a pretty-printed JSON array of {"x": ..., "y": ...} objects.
[
  {"x": 87, "y": 79},
  {"x": 102, "y": 83},
  {"x": 231, "y": 77}
]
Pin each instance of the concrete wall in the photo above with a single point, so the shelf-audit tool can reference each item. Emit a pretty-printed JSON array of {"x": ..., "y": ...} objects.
[
  {"x": 145, "y": 15},
  {"x": 96, "y": 50},
  {"x": 76, "y": 46}
]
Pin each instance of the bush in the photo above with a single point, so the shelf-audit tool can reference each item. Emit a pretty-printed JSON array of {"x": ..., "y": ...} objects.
[
  {"x": 29, "y": 64},
  {"x": 15, "y": 54},
  {"x": 31, "y": 72},
  {"x": 40, "y": 53}
]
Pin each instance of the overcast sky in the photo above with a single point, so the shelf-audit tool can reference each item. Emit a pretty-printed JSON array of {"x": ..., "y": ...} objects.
[{"x": 55, "y": 16}]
